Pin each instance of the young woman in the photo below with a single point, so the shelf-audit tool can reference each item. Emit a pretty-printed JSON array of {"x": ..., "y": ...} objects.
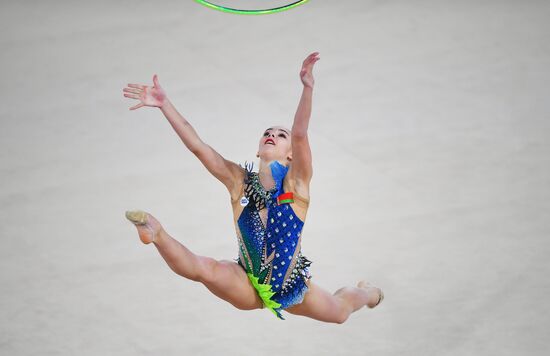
[{"x": 269, "y": 209}]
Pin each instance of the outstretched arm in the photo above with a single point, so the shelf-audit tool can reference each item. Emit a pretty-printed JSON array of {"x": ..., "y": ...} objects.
[
  {"x": 229, "y": 173},
  {"x": 301, "y": 168}
]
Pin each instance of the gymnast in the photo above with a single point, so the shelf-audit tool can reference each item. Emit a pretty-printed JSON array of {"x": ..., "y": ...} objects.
[{"x": 269, "y": 211}]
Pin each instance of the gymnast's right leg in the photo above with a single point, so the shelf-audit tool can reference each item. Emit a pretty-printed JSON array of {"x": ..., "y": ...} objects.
[{"x": 226, "y": 279}]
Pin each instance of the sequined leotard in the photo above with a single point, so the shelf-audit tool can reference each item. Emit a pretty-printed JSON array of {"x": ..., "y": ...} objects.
[{"x": 271, "y": 254}]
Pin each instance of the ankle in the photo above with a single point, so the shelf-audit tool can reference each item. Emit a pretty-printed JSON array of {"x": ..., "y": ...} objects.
[{"x": 159, "y": 236}]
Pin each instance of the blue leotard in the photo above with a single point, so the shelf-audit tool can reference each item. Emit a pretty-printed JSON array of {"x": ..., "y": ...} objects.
[{"x": 271, "y": 254}]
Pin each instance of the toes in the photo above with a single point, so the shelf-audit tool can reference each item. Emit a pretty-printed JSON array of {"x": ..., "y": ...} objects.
[
  {"x": 370, "y": 287},
  {"x": 137, "y": 217}
]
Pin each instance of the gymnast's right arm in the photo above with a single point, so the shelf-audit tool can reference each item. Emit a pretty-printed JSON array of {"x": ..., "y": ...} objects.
[{"x": 227, "y": 172}]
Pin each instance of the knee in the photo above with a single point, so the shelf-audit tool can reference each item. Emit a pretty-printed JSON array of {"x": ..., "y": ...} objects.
[{"x": 343, "y": 312}]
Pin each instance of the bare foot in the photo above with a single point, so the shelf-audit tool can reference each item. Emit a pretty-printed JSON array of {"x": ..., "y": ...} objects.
[
  {"x": 373, "y": 298},
  {"x": 148, "y": 227}
]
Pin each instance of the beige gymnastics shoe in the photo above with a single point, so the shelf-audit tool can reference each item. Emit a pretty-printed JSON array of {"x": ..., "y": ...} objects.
[
  {"x": 137, "y": 217},
  {"x": 368, "y": 285},
  {"x": 148, "y": 227}
]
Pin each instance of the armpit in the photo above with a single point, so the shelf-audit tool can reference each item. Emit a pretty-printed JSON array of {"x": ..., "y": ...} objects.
[{"x": 299, "y": 194}]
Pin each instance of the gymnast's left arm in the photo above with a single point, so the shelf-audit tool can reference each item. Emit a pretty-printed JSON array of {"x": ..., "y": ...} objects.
[{"x": 301, "y": 168}]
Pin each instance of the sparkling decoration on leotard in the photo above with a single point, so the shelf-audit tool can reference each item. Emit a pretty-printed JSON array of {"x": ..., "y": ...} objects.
[
  {"x": 272, "y": 253},
  {"x": 256, "y": 193}
]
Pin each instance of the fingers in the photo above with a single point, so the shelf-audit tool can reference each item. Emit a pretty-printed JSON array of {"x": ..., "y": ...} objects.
[
  {"x": 311, "y": 57},
  {"x": 137, "y": 86},
  {"x": 310, "y": 61},
  {"x": 156, "y": 81},
  {"x": 314, "y": 54},
  {"x": 129, "y": 90},
  {"x": 136, "y": 106},
  {"x": 135, "y": 91},
  {"x": 133, "y": 96}
]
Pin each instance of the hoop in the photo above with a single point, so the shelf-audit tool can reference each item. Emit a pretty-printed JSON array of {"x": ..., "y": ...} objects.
[{"x": 251, "y": 12}]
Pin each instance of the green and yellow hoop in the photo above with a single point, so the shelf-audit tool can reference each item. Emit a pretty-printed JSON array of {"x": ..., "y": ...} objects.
[{"x": 251, "y": 12}]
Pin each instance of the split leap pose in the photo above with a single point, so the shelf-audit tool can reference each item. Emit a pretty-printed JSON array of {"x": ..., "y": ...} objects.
[{"x": 269, "y": 210}]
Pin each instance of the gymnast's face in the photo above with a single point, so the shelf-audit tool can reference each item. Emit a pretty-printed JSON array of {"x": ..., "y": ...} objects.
[{"x": 275, "y": 145}]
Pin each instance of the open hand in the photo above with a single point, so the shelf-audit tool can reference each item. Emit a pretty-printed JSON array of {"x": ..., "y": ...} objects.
[
  {"x": 148, "y": 95},
  {"x": 307, "y": 68}
]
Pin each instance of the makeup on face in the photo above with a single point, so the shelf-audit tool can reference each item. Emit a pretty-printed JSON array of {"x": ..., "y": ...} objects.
[{"x": 283, "y": 133}]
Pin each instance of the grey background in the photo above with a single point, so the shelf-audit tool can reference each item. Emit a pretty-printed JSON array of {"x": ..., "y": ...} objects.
[{"x": 429, "y": 135}]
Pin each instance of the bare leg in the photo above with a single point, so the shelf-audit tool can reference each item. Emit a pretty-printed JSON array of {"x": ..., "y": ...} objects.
[
  {"x": 226, "y": 279},
  {"x": 336, "y": 308}
]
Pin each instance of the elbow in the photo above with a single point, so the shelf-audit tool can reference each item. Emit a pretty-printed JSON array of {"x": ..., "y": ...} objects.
[{"x": 198, "y": 148}]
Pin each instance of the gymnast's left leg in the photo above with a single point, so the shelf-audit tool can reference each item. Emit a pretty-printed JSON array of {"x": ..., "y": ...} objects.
[{"x": 336, "y": 308}]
